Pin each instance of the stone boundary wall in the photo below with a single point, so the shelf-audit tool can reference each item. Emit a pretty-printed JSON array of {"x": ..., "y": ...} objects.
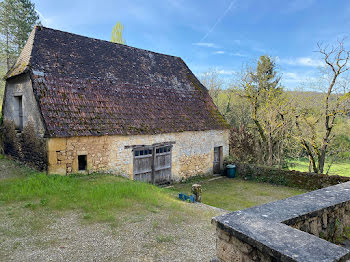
[
  {"x": 287, "y": 230},
  {"x": 305, "y": 180},
  {"x": 327, "y": 223}
]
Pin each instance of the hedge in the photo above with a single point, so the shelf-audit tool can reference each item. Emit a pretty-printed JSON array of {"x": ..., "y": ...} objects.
[{"x": 292, "y": 178}]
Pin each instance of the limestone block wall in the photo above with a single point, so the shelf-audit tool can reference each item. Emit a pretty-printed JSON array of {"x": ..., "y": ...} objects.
[{"x": 192, "y": 153}]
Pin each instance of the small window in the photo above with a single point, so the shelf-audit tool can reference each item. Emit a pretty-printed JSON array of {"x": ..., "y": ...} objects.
[
  {"x": 141, "y": 152},
  {"x": 157, "y": 150},
  {"x": 150, "y": 151},
  {"x": 137, "y": 153},
  {"x": 82, "y": 162}
]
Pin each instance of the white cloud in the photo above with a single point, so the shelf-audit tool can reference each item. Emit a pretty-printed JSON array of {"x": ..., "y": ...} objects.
[
  {"x": 298, "y": 5},
  {"x": 259, "y": 50},
  {"x": 237, "y": 54},
  {"x": 225, "y": 72},
  {"x": 301, "y": 61},
  {"x": 298, "y": 78},
  {"x": 205, "y": 44},
  {"x": 220, "y": 52}
]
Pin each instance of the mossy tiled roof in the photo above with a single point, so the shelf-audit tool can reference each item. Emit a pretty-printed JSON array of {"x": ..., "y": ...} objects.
[{"x": 87, "y": 87}]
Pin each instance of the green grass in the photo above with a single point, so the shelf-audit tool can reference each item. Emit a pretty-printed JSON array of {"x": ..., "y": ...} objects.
[
  {"x": 100, "y": 197},
  {"x": 163, "y": 238},
  {"x": 11, "y": 169},
  {"x": 341, "y": 168},
  {"x": 235, "y": 194}
]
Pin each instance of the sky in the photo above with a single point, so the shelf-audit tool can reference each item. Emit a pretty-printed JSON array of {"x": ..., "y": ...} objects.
[{"x": 219, "y": 35}]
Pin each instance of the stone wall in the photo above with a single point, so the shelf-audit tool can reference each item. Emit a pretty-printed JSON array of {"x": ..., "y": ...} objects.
[
  {"x": 230, "y": 248},
  {"x": 192, "y": 153},
  {"x": 327, "y": 223},
  {"x": 22, "y": 86},
  {"x": 292, "y": 178},
  {"x": 289, "y": 229}
]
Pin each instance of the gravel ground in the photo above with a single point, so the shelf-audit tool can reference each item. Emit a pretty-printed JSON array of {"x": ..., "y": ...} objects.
[{"x": 163, "y": 235}]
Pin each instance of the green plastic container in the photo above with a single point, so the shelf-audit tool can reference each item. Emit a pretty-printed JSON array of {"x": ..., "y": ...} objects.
[{"x": 231, "y": 171}]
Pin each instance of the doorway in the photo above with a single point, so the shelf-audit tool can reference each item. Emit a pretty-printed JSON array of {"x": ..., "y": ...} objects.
[
  {"x": 152, "y": 164},
  {"x": 218, "y": 160}
]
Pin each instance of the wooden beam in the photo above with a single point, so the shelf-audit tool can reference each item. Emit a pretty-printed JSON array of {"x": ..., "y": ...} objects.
[{"x": 150, "y": 146}]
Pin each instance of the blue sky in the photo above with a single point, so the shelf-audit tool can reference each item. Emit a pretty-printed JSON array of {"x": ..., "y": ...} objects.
[{"x": 221, "y": 35}]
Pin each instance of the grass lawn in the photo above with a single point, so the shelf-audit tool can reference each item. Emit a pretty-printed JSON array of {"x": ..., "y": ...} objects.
[
  {"x": 99, "y": 197},
  {"x": 97, "y": 218},
  {"x": 337, "y": 168},
  {"x": 75, "y": 217},
  {"x": 235, "y": 194}
]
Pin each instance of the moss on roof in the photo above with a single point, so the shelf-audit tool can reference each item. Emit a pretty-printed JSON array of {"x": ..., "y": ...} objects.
[{"x": 86, "y": 86}]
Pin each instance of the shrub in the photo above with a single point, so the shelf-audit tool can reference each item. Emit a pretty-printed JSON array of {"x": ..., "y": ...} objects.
[
  {"x": 242, "y": 145},
  {"x": 33, "y": 147},
  {"x": 292, "y": 178},
  {"x": 26, "y": 146},
  {"x": 11, "y": 145}
]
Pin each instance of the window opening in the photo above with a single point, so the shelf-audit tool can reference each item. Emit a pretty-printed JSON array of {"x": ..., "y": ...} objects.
[{"x": 82, "y": 162}]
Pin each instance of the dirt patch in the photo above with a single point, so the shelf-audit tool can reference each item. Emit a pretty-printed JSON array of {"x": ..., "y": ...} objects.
[{"x": 157, "y": 235}]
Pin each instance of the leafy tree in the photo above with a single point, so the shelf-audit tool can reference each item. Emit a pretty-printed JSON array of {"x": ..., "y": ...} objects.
[
  {"x": 117, "y": 34},
  {"x": 17, "y": 18},
  {"x": 2, "y": 86},
  {"x": 25, "y": 19},
  {"x": 315, "y": 130},
  {"x": 268, "y": 108},
  {"x": 7, "y": 27}
]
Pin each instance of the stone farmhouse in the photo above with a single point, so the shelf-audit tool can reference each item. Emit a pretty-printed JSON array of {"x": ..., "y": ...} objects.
[{"x": 106, "y": 107}]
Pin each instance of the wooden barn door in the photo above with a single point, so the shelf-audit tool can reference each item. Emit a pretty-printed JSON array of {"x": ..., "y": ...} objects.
[
  {"x": 152, "y": 164},
  {"x": 143, "y": 164},
  {"x": 162, "y": 165}
]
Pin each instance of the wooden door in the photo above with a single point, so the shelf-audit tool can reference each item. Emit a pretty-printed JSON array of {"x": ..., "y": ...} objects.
[
  {"x": 162, "y": 165},
  {"x": 143, "y": 164},
  {"x": 152, "y": 164},
  {"x": 217, "y": 160}
]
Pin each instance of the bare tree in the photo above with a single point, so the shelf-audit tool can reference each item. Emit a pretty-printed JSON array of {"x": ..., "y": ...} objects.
[
  {"x": 214, "y": 83},
  {"x": 335, "y": 104}
]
